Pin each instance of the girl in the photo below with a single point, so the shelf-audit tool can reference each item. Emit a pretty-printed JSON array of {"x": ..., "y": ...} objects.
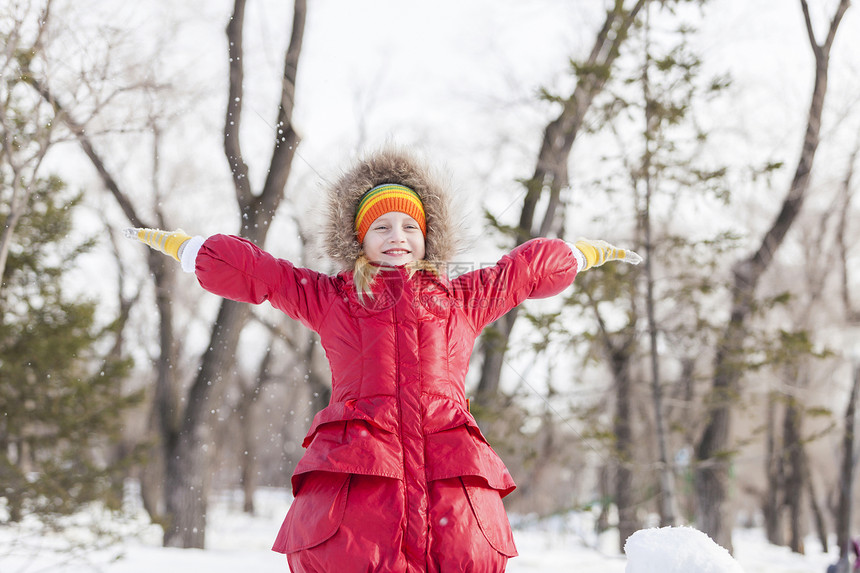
[{"x": 396, "y": 475}]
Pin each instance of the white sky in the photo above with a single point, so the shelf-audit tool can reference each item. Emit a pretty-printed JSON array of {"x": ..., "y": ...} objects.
[{"x": 456, "y": 78}]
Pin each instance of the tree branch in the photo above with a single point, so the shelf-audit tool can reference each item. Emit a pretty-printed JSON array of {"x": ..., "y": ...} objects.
[
  {"x": 559, "y": 135},
  {"x": 748, "y": 272},
  {"x": 79, "y": 131},
  {"x": 843, "y": 209},
  {"x": 807, "y": 19},
  {"x": 834, "y": 24},
  {"x": 286, "y": 138},
  {"x": 232, "y": 144}
]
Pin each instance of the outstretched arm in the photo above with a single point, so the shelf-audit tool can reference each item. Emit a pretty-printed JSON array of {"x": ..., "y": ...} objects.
[
  {"x": 538, "y": 268},
  {"x": 236, "y": 269}
]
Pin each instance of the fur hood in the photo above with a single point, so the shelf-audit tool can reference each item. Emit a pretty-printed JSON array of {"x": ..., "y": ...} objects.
[{"x": 389, "y": 166}]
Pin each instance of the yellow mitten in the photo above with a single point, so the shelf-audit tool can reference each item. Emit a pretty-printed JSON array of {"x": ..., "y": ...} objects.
[
  {"x": 597, "y": 252},
  {"x": 167, "y": 242}
]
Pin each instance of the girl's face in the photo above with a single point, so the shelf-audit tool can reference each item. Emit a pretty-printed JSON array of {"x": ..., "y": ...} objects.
[{"x": 394, "y": 239}]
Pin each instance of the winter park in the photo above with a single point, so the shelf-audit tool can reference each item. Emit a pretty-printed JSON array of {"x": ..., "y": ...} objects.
[{"x": 429, "y": 287}]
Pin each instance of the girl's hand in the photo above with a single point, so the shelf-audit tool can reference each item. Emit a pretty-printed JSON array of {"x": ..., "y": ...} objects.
[
  {"x": 597, "y": 252},
  {"x": 169, "y": 243}
]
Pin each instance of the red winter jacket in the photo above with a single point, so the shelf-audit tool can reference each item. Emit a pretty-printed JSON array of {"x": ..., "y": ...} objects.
[{"x": 398, "y": 406}]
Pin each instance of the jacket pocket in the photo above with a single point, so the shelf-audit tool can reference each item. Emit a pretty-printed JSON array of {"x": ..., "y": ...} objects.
[
  {"x": 316, "y": 512},
  {"x": 463, "y": 451},
  {"x": 490, "y": 512}
]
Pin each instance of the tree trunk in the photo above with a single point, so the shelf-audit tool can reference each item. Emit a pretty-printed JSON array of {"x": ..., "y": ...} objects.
[
  {"x": 151, "y": 476},
  {"x": 775, "y": 479},
  {"x": 248, "y": 476},
  {"x": 713, "y": 451},
  {"x": 189, "y": 463},
  {"x": 817, "y": 514},
  {"x": 623, "y": 430},
  {"x": 602, "y": 522},
  {"x": 711, "y": 478},
  {"x": 249, "y": 394},
  {"x": 618, "y": 349},
  {"x": 186, "y": 487},
  {"x": 666, "y": 499},
  {"x": 794, "y": 482},
  {"x": 846, "y": 474}
]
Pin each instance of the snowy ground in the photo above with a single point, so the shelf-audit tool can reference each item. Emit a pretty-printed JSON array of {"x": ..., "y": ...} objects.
[{"x": 238, "y": 542}]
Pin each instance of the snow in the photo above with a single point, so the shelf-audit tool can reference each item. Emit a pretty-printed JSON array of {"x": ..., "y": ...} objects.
[
  {"x": 240, "y": 542},
  {"x": 675, "y": 550}
]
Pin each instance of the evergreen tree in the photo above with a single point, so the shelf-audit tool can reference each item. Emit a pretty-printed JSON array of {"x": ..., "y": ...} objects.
[{"x": 61, "y": 397}]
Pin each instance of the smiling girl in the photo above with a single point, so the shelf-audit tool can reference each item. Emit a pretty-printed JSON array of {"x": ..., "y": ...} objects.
[{"x": 396, "y": 475}]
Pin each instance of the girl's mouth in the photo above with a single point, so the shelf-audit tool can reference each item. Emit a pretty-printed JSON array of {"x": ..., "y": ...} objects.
[{"x": 396, "y": 252}]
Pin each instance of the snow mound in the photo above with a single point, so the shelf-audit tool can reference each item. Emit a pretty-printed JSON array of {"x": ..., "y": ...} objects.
[{"x": 676, "y": 550}]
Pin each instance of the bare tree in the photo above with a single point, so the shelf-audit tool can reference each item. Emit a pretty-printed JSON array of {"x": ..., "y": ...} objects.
[
  {"x": 187, "y": 470},
  {"x": 186, "y": 433},
  {"x": 712, "y": 451}
]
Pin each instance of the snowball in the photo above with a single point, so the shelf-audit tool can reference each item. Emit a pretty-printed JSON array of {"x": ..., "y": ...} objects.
[{"x": 676, "y": 550}]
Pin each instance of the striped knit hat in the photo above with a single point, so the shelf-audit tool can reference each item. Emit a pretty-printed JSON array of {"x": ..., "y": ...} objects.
[
  {"x": 339, "y": 235},
  {"x": 383, "y": 199}
]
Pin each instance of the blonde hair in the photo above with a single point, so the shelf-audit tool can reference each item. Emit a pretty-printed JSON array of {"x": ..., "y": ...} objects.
[{"x": 364, "y": 273}]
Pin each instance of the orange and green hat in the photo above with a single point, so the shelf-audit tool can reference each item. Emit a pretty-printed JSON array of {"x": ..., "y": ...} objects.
[{"x": 383, "y": 199}]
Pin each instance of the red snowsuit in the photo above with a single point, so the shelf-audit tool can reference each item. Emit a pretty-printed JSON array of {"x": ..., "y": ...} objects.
[{"x": 396, "y": 474}]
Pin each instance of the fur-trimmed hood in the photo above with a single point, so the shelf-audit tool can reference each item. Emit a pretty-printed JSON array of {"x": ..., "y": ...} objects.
[{"x": 389, "y": 166}]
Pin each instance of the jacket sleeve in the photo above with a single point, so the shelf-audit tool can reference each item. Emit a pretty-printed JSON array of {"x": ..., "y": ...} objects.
[
  {"x": 538, "y": 268},
  {"x": 236, "y": 269}
]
